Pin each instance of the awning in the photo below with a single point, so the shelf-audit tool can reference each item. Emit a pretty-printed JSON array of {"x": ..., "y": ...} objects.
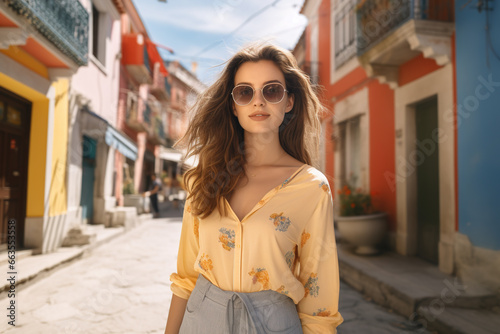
[
  {"x": 121, "y": 143},
  {"x": 96, "y": 127},
  {"x": 155, "y": 57},
  {"x": 170, "y": 154}
]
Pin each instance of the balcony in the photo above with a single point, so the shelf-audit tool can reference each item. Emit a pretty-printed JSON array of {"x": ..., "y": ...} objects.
[
  {"x": 136, "y": 119},
  {"x": 135, "y": 58},
  {"x": 63, "y": 23},
  {"x": 157, "y": 134},
  {"x": 159, "y": 88},
  {"x": 392, "y": 32}
]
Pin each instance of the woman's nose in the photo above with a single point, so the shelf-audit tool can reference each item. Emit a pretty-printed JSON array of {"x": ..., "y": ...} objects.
[{"x": 258, "y": 99}]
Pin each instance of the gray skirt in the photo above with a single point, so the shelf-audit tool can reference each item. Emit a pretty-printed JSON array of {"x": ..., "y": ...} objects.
[{"x": 212, "y": 310}]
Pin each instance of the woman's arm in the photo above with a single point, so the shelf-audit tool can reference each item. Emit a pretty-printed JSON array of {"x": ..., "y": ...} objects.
[
  {"x": 319, "y": 270},
  {"x": 175, "y": 314}
]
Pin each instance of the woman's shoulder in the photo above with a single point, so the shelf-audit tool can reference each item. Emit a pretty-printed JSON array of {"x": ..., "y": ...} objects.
[
  {"x": 311, "y": 179},
  {"x": 312, "y": 174}
]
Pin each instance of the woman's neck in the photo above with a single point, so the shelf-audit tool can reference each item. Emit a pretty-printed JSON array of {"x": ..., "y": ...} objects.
[{"x": 263, "y": 149}]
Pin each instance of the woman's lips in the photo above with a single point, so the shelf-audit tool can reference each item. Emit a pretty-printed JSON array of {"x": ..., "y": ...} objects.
[{"x": 259, "y": 117}]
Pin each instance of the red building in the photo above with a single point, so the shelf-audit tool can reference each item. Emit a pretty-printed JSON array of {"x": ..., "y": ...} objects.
[
  {"x": 142, "y": 103},
  {"x": 387, "y": 79}
]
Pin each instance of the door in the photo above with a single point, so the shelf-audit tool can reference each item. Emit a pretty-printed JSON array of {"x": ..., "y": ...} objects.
[
  {"x": 427, "y": 181},
  {"x": 15, "y": 117},
  {"x": 88, "y": 173}
]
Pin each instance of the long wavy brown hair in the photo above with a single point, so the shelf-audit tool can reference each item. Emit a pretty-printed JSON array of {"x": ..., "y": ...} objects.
[{"x": 216, "y": 137}]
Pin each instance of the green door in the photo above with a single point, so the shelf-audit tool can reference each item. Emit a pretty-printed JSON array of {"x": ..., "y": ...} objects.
[
  {"x": 88, "y": 171},
  {"x": 427, "y": 181}
]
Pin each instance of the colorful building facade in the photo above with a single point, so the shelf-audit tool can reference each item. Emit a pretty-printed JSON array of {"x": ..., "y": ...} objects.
[
  {"x": 94, "y": 138},
  {"x": 143, "y": 98},
  {"x": 410, "y": 89},
  {"x": 386, "y": 71},
  {"x": 40, "y": 49},
  {"x": 184, "y": 88},
  {"x": 477, "y": 242},
  {"x": 83, "y": 92}
]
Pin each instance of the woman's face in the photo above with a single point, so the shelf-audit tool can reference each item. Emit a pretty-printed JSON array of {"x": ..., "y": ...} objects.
[{"x": 261, "y": 116}]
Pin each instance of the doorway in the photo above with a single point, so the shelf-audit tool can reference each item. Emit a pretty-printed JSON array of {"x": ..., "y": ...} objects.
[
  {"x": 88, "y": 176},
  {"x": 427, "y": 172},
  {"x": 15, "y": 118}
]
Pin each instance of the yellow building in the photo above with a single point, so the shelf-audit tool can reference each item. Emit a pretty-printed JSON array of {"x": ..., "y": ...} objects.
[{"x": 41, "y": 47}]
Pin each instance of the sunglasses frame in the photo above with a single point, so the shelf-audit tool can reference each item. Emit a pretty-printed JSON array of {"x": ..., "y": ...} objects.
[{"x": 261, "y": 92}]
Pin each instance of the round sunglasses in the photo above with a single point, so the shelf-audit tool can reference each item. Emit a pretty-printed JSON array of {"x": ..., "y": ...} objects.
[{"x": 272, "y": 92}]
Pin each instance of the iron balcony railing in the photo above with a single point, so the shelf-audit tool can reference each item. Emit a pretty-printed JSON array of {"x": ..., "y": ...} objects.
[
  {"x": 378, "y": 18},
  {"x": 65, "y": 23},
  {"x": 146, "y": 60},
  {"x": 160, "y": 129},
  {"x": 147, "y": 114}
]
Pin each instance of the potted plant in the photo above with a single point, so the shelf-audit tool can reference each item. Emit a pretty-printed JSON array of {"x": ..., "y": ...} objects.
[
  {"x": 358, "y": 222},
  {"x": 130, "y": 198}
]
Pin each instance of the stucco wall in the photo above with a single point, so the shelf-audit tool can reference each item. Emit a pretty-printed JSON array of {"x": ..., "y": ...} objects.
[{"x": 478, "y": 119}]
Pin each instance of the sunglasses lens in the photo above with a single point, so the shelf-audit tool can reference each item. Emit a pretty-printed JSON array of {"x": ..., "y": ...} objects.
[
  {"x": 273, "y": 93},
  {"x": 242, "y": 94}
]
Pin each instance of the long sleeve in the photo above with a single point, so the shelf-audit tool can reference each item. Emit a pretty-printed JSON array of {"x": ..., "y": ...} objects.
[
  {"x": 319, "y": 271},
  {"x": 184, "y": 280}
]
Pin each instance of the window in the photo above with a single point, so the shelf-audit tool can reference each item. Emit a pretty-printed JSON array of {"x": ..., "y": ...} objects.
[
  {"x": 95, "y": 30},
  {"x": 98, "y": 35},
  {"x": 350, "y": 151},
  {"x": 345, "y": 33}
]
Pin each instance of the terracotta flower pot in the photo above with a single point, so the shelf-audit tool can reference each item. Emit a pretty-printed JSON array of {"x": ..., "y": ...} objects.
[{"x": 365, "y": 232}]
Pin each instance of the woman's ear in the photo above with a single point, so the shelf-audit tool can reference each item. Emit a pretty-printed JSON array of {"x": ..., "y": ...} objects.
[
  {"x": 233, "y": 109},
  {"x": 290, "y": 101}
]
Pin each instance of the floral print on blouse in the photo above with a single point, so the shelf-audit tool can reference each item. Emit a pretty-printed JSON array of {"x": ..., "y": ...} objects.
[{"x": 286, "y": 243}]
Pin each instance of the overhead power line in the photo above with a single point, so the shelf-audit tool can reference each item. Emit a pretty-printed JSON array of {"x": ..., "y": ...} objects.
[{"x": 250, "y": 18}]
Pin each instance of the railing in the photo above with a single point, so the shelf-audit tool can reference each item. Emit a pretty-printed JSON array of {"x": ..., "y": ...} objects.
[
  {"x": 146, "y": 60},
  {"x": 147, "y": 114},
  {"x": 378, "y": 18},
  {"x": 64, "y": 23},
  {"x": 159, "y": 130},
  {"x": 159, "y": 86}
]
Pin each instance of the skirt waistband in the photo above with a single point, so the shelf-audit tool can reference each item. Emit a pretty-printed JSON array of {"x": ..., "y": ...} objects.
[
  {"x": 261, "y": 312},
  {"x": 259, "y": 298}
]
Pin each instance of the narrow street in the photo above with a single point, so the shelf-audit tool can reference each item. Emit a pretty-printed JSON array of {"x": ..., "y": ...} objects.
[{"x": 123, "y": 287}]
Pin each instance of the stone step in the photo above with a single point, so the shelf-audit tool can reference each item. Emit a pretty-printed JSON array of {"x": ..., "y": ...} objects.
[
  {"x": 406, "y": 283},
  {"x": 454, "y": 320}
]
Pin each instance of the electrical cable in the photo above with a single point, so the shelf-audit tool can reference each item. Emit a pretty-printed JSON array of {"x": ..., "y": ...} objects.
[{"x": 250, "y": 18}]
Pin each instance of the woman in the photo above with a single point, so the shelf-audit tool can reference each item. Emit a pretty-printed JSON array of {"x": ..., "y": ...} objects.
[{"x": 257, "y": 251}]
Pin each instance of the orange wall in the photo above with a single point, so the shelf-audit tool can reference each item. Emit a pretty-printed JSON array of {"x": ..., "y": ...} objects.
[
  {"x": 453, "y": 59},
  {"x": 382, "y": 149},
  {"x": 324, "y": 43},
  {"x": 416, "y": 68}
]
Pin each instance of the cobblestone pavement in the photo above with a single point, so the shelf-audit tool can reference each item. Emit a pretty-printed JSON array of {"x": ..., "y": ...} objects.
[
  {"x": 364, "y": 317},
  {"x": 123, "y": 287}
]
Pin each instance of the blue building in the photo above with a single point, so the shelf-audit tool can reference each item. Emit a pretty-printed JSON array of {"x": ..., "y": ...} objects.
[{"x": 477, "y": 246}]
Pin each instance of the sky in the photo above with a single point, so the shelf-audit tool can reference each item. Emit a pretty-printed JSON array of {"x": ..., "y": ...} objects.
[{"x": 208, "y": 32}]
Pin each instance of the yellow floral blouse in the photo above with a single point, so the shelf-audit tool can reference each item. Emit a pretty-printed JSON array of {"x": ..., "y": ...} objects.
[{"x": 286, "y": 243}]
